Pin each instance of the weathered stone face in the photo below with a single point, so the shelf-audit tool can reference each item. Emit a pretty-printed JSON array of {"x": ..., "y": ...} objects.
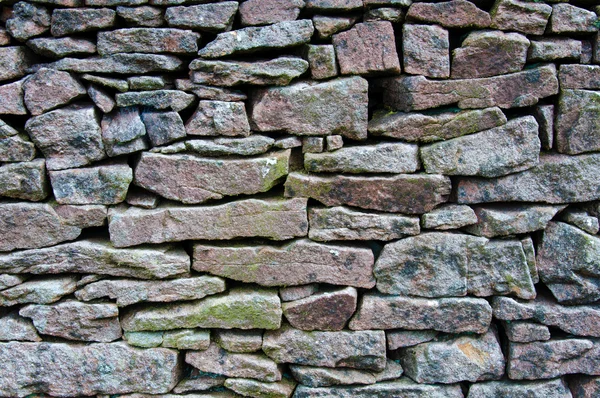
[
  {"x": 14, "y": 61},
  {"x": 123, "y": 132},
  {"x": 322, "y": 311},
  {"x": 16, "y": 328},
  {"x": 25, "y": 180},
  {"x": 148, "y": 40},
  {"x": 556, "y": 388},
  {"x": 219, "y": 118},
  {"x": 216, "y": 17},
  {"x": 47, "y": 89},
  {"x": 265, "y": 12},
  {"x": 426, "y": 50},
  {"x": 38, "y": 291},
  {"x": 147, "y": 16},
  {"x": 120, "y": 63},
  {"x": 239, "y": 340},
  {"x": 521, "y": 16},
  {"x": 577, "y": 122},
  {"x": 61, "y": 47},
  {"x": 27, "y": 21},
  {"x": 322, "y": 377},
  {"x": 450, "y": 14},
  {"x": 402, "y": 387},
  {"x": 79, "y": 20}
]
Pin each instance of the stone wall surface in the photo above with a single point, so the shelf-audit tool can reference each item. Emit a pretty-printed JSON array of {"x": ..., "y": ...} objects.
[{"x": 300, "y": 198}]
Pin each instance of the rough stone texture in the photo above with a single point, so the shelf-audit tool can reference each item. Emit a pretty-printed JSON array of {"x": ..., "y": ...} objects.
[
  {"x": 68, "y": 21},
  {"x": 27, "y": 21},
  {"x": 105, "y": 184},
  {"x": 163, "y": 127},
  {"x": 491, "y": 153},
  {"x": 73, "y": 320},
  {"x": 575, "y": 76},
  {"x": 146, "y": 16},
  {"x": 131, "y": 291},
  {"x": 577, "y": 122},
  {"x": 449, "y": 217},
  {"x": 577, "y": 182},
  {"x": 101, "y": 98},
  {"x": 566, "y": 260},
  {"x": 68, "y": 137},
  {"x": 247, "y": 146},
  {"x": 142, "y": 198},
  {"x": 279, "y": 71},
  {"x": 266, "y": 12},
  {"x": 83, "y": 369},
  {"x": 521, "y": 16},
  {"x": 186, "y": 339},
  {"x": 32, "y": 225},
  {"x": 291, "y": 293},
  {"x": 120, "y": 63},
  {"x": 82, "y": 216},
  {"x": 556, "y": 388},
  {"x": 159, "y": 99},
  {"x": 489, "y": 53},
  {"x": 112, "y": 83},
  {"x": 334, "y": 5},
  {"x": 16, "y": 328},
  {"x": 147, "y": 40},
  {"x": 253, "y": 388},
  {"x": 219, "y": 118},
  {"x": 100, "y": 257},
  {"x": 450, "y": 315},
  {"x": 353, "y": 349},
  {"x": 61, "y": 47},
  {"x": 581, "y": 220},
  {"x": 216, "y": 17},
  {"x": 192, "y": 179},
  {"x": 552, "y": 358},
  {"x": 567, "y": 18},
  {"x": 544, "y": 115},
  {"x": 239, "y": 308},
  {"x": 403, "y": 193},
  {"x": 585, "y": 386},
  {"x": 322, "y": 311},
  {"x": 239, "y": 340},
  {"x": 323, "y": 377},
  {"x": 343, "y": 223},
  {"x": 437, "y": 126},
  {"x": 199, "y": 382},
  {"x": 14, "y": 61},
  {"x": 296, "y": 263},
  {"x": 426, "y": 50},
  {"x": 526, "y": 332},
  {"x": 123, "y": 132},
  {"x": 11, "y": 96},
  {"x": 368, "y": 48},
  {"x": 554, "y": 48},
  {"x": 217, "y": 360},
  {"x": 403, "y": 387},
  {"x": 210, "y": 92},
  {"x": 451, "y": 359},
  {"x": 327, "y": 25},
  {"x": 450, "y": 14},
  {"x": 307, "y": 108},
  {"x": 408, "y": 338},
  {"x": 273, "y": 219},
  {"x": 48, "y": 89},
  {"x": 276, "y": 36},
  {"x": 38, "y": 291},
  {"x": 514, "y": 90},
  {"x": 7, "y": 280},
  {"x": 322, "y": 61},
  {"x": 26, "y": 180}
]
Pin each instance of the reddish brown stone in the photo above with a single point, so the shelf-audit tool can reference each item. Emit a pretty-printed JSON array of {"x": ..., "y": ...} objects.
[
  {"x": 450, "y": 14},
  {"x": 265, "y": 12},
  {"x": 322, "y": 311},
  {"x": 426, "y": 50}
]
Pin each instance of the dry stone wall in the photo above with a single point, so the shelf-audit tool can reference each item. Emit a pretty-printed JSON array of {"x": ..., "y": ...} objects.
[{"x": 299, "y": 198}]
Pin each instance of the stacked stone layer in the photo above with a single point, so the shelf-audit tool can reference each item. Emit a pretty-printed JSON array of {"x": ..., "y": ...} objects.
[{"x": 299, "y": 198}]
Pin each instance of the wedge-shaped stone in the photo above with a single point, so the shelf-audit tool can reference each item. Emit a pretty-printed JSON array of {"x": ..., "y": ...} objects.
[
  {"x": 99, "y": 257},
  {"x": 82, "y": 369},
  {"x": 49, "y": 88},
  {"x": 452, "y": 359},
  {"x": 423, "y": 127},
  {"x": 582, "y": 220},
  {"x": 193, "y": 179},
  {"x": 450, "y": 14},
  {"x": 32, "y": 225},
  {"x": 239, "y": 308},
  {"x": 174, "y": 100},
  {"x": 403, "y": 193},
  {"x": 273, "y": 219},
  {"x": 187, "y": 339},
  {"x": 343, "y": 223},
  {"x": 120, "y": 63},
  {"x": 579, "y": 320},
  {"x": 514, "y": 90},
  {"x": 13, "y": 327},
  {"x": 408, "y": 338},
  {"x": 278, "y": 71},
  {"x": 235, "y": 340},
  {"x": 336, "y": 106},
  {"x": 556, "y": 179},
  {"x": 553, "y": 358},
  {"x": 403, "y": 387},
  {"x": 217, "y": 360},
  {"x": 78, "y": 20},
  {"x": 148, "y": 40},
  {"x": 212, "y": 93},
  {"x": 568, "y": 263},
  {"x": 26, "y": 180},
  {"x": 556, "y": 388},
  {"x": 297, "y": 263},
  {"x": 101, "y": 98},
  {"x": 14, "y": 62},
  {"x": 449, "y": 216},
  {"x": 513, "y": 219},
  {"x": 11, "y": 98},
  {"x": 104, "y": 184},
  {"x": 132, "y": 291},
  {"x": 73, "y": 320},
  {"x": 38, "y": 291},
  {"x": 378, "y": 158},
  {"x": 68, "y": 137},
  {"x": 247, "y": 146},
  {"x": 491, "y": 153},
  {"x": 489, "y": 53},
  {"x": 577, "y": 122},
  {"x": 254, "y": 388},
  {"x": 123, "y": 132},
  {"x": 322, "y": 311},
  {"x": 323, "y": 377},
  {"x": 353, "y": 349},
  {"x": 451, "y": 315},
  {"x": 61, "y": 47},
  {"x": 520, "y": 16},
  {"x": 16, "y": 148},
  {"x": 280, "y": 35},
  {"x": 216, "y": 17}
]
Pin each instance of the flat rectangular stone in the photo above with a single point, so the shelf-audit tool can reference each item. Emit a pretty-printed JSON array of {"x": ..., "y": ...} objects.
[
  {"x": 121, "y": 64},
  {"x": 403, "y": 387},
  {"x": 402, "y": 193},
  {"x": 426, "y": 50},
  {"x": 24, "y": 180},
  {"x": 148, "y": 40},
  {"x": 113, "y": 368},
  {"x": 577, "y": 122},
  {"x": 216, "y": 17},
  {"x": 273, "y": 219},
  {"x": 38, "y": 291},
  {"x": 78, "y": 20},
  {"x": 575, "y": 76},
  {"x": 297, "y": 263},
  {"x": 556, "y": 388},
  {"x": 450, "y": 315}
]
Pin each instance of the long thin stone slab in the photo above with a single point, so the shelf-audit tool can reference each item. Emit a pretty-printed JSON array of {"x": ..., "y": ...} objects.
[
  {"x": 240, "y": 308},
  {"x": 76, "y": 370},
  {"x": 402, "y": 193},
  {"x": 192, "y": 179},
  {"x": 297, "y": 263},
  {"x": 120, "y": 63},
  {"x": 148, "y": 40},
  {"x": 403, "y": 387},
  {"x": 451, "y": 315},
  {"x": 99, "y": 257},
  {"x": 273, "y": 219},
  {"x": 556, "y": 388}
]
